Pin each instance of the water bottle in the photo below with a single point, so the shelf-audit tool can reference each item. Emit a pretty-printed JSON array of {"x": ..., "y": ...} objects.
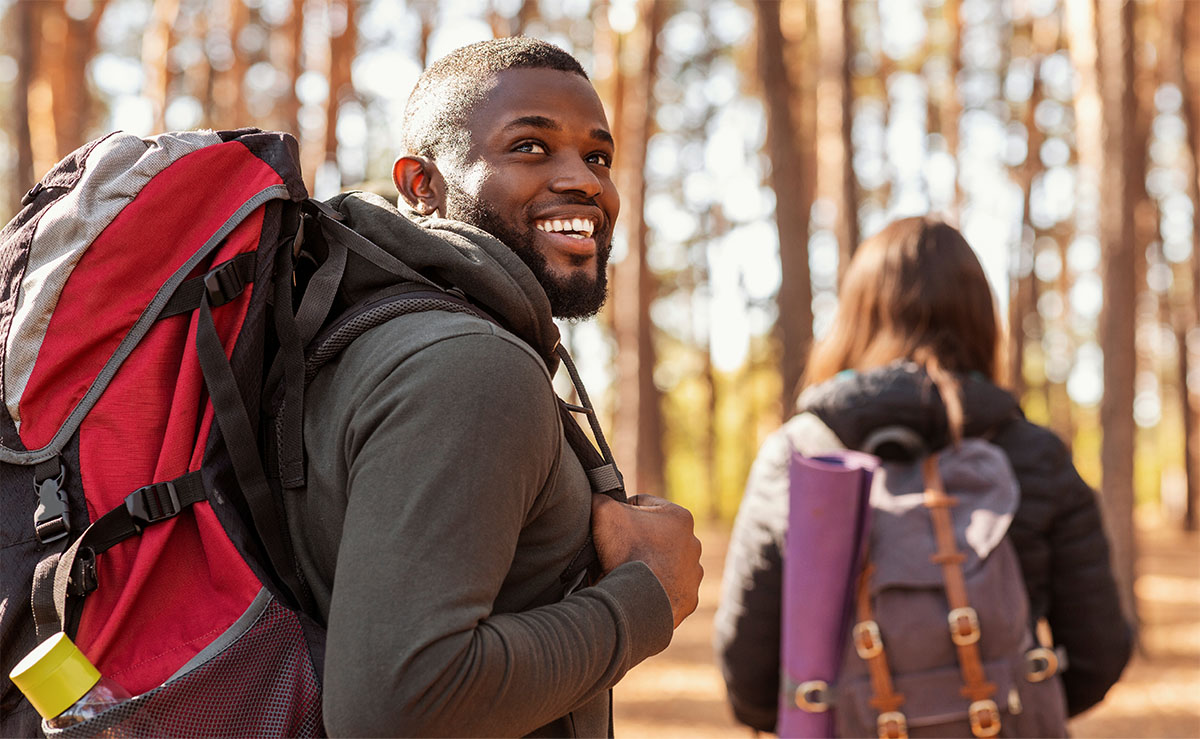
[{"x": 63, "y": 685}]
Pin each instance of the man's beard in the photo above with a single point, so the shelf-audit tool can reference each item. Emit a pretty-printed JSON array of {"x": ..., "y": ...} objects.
[{"x": 578, "y": 296}]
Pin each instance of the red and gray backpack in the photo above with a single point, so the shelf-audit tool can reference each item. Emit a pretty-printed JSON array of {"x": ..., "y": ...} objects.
[{"x": 163, "y": 303}]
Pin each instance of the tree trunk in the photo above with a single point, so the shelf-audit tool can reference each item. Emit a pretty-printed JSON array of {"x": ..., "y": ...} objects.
[
  {"x": 67, "y": 45},
  {"x": 427, "y": 12},
  {"x": 156, "y": 47},
  {"x": 228, "y": 80},
  {"x": 294, "y": 28},
  {"x": 638, "y": 426},
  {"x": 1189, "y": 74},
  {"x": 835, "y": 116},
  {"x": 74, "y": 103},
  {"x": 24, "y": 177},
  {"x": 1191, "y": 460},
  {"x": 886, "y": 67},
  {"x": 48, "y": 39},
  {"x": 718, "y": 227},
  {"x": 1062, "y": 410},
  {"x": 1114, "y": 24},
  {"x": 343, "y": 40},
  {"x": 1190, "y": 62},
  {"x": 951, "y": 112},
  {"x": 198, "y": 78},
  {"x": 1023, "y": 292},
  {"x": 789, "y": 143}
]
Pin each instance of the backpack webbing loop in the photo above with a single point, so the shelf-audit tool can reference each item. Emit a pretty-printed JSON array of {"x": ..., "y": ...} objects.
[
  {"x": 605, "y": 479},
  {"x": 46, "y": 618}
]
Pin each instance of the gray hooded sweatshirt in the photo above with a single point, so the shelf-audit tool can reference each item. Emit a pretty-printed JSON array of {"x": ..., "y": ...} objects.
[{"x": 443, "y": 500}]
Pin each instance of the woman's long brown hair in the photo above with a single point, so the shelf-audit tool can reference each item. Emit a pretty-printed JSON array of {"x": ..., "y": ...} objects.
[{"x": 914, "y": 291}]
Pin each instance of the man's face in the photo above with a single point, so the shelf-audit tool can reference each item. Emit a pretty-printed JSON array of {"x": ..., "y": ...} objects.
[{"x": 537, "y": 176}]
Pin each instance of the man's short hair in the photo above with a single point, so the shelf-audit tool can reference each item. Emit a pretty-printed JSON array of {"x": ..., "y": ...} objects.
[{"x": 438, "y": 107}]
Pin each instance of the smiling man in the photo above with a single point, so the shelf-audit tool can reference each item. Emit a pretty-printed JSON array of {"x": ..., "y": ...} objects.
[
  {"x": 535, "y": 173},
  {"x": 446, "y": 513}
]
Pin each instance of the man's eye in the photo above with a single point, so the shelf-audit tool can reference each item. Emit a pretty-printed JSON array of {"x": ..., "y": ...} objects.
[
  {"x": 530, "y": 147},
  {"x": 604, "y": 160}
]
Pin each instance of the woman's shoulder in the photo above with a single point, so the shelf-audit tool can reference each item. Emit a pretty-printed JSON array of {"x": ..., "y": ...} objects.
[
  {"x": 807, "y": 434},
  {"x": 1032, "y": 448}
]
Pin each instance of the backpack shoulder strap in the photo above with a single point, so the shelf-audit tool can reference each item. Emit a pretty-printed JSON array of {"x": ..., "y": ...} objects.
[{"x": 963, "y": 621}]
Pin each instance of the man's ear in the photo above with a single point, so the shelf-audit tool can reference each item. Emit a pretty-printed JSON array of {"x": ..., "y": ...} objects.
[{"x": 420, "y": 183}]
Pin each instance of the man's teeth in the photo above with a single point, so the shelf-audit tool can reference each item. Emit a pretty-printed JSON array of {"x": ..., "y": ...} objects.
[{"x": 580, "y": 228}]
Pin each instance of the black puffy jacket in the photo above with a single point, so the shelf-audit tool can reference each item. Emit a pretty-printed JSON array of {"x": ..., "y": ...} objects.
[{"x": 1057, "y": 531}]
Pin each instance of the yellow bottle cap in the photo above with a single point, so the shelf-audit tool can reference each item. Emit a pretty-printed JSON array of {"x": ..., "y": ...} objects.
[{"x": 54, "y": 675}]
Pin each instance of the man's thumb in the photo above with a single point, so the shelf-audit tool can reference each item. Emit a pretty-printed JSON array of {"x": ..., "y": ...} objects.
[{"x": 644, "y": 500}]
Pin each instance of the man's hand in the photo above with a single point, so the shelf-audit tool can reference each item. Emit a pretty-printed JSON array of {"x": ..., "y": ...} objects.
[{"x": 657, "y": 532}]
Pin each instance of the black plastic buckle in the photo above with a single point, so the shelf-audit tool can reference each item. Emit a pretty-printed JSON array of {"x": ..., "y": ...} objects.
[
  {"x": 153, "y": 503},
  {"x": 31, "y": 194},
  {"x": 83, "y": 578},
  {"x": 224, "y": 284},
  {"x": 51, "y": 520}
]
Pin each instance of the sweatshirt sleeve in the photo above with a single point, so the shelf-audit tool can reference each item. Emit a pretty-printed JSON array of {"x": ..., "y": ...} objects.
[{"x": 446, "y": 458}]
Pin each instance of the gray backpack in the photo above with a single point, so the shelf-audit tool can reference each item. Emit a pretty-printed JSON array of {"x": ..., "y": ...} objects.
[{"x": 941, "y": 642}]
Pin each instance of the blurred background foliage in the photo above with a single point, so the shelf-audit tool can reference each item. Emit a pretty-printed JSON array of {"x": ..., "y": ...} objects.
[{"x": 758, "y": 143}]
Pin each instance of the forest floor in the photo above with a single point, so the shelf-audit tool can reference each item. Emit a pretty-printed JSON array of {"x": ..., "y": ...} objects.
[{"x": 679, "y": 693}]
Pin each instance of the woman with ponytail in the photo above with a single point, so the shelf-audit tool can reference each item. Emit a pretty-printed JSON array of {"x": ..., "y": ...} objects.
[{"x": 916, "y": 343}]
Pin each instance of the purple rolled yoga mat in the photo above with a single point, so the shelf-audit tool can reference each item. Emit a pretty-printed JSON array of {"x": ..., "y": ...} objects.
[{"x": 827, "y": 524}]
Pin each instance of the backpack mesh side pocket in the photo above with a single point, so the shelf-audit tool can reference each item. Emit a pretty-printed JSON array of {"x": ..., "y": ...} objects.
[{"x": 260, "y": 681}]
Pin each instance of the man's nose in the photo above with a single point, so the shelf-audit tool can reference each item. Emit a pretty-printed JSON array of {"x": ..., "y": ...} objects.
[{"x": 575, "y": 175}]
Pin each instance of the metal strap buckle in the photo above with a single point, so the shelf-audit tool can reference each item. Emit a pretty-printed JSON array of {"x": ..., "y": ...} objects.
[
  {"x": 1042, "y": 663},
  {"x": 985, "y": 718},
  {"x": 867, "y": 641},
  {"x": 153, "y": 503},
  {"x": 892, "y": 725},
  {"x": 964, "y": 626},
  {"x": 813, "y": 696}
]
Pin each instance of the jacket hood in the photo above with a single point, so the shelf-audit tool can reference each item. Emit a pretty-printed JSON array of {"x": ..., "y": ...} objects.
[
  {"x": 853, "y": 404},
  {"x": 452, "y": 254}
]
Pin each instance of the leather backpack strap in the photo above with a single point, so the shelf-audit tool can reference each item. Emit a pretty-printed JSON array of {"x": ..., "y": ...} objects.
[
  {"x": 869, "y": 645},
  {"x": 963, "y": 620}
]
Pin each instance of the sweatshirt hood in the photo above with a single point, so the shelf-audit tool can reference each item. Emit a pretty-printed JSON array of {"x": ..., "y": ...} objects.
[
  {"x": 853, "y": 404},
  {"x": 452, "y": 254}
]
